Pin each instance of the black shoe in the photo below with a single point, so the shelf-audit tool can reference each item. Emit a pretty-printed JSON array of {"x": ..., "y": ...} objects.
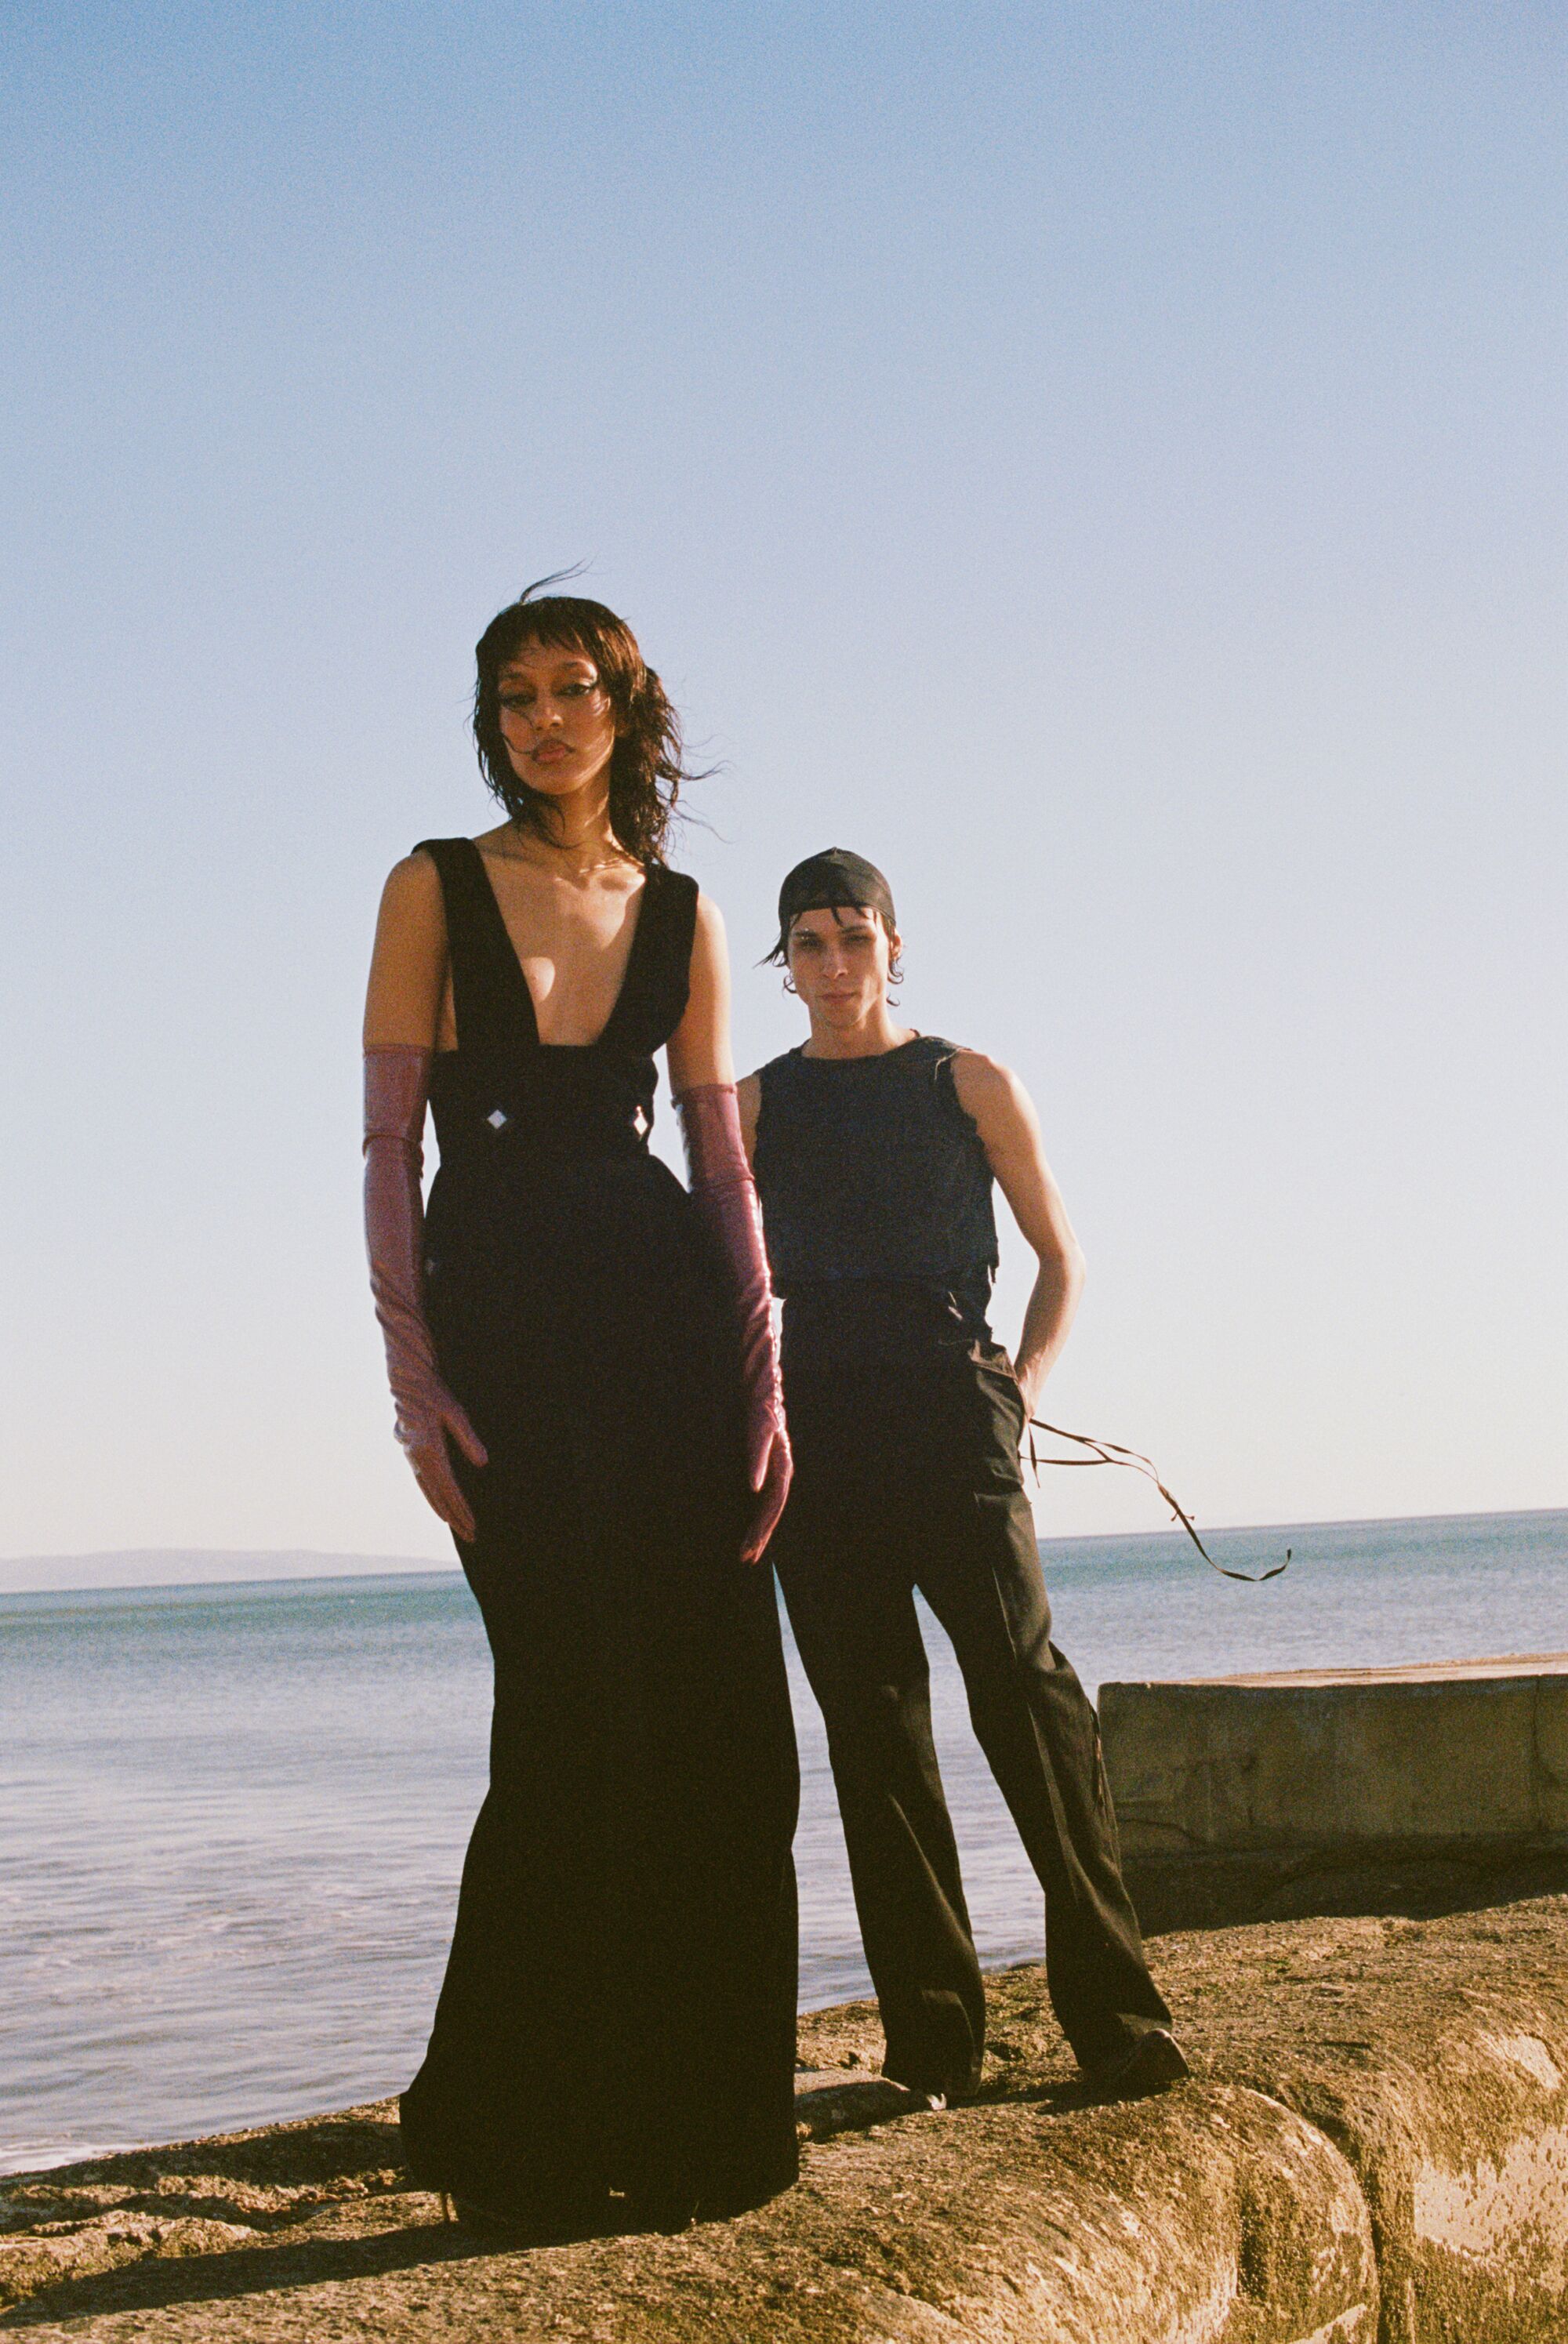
[
  {"x": 959, "y": 2088},
  {"x": 489, "y": 2222},
  {"x": 1151, "y": 2064},
  {"x": 950, "y": 2093},
  {"x": 737, "y": 2195},
  {"x": 509, "y": 2219},
  {"x": 668, "y": 2210}
]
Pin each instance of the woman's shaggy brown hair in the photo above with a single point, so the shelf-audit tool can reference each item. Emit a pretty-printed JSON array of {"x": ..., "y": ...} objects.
[{"x": 647, "y": 765}]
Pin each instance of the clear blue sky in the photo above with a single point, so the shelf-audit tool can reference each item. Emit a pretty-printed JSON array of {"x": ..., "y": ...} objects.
[{"x": 1104, "y": 462}]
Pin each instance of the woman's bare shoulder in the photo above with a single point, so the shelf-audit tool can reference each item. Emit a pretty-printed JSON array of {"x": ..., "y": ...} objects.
[
  {"x": 413, "y": 889},
  {"x": 710, "y": 921},
  {"x": 415, "y": 874},
  {"x": 710, "y": 951},
  {"x": 407, "y": 966}
]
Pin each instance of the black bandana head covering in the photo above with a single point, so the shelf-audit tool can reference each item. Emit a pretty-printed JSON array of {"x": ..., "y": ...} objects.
[{"x": 836, "y": 880}]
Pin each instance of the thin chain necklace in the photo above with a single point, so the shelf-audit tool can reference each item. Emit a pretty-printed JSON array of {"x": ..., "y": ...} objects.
[{"x": 569, "y": 869}]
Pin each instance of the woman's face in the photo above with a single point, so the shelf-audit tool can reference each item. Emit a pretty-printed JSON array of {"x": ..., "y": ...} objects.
[
  {"x": 838, "y": 962},
  {"x": 555, "y": 718}
]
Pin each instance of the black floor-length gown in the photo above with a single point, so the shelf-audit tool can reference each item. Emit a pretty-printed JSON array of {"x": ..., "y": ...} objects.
[{"x": 619, "y": 2005}]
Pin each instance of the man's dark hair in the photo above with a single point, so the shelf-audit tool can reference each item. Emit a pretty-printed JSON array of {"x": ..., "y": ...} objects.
[
  {"x": 780, "y": 953},
  {"x": 835, "y": 881}
]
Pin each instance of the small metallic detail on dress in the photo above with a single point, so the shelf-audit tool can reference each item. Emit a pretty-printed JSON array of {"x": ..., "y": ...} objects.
[{"x": 498, "y": 1118}]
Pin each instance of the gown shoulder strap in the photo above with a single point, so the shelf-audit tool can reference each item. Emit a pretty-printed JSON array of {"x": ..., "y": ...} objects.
[
  {"x": 479, "y": 951},
  {"x": 658, "y": 981}
]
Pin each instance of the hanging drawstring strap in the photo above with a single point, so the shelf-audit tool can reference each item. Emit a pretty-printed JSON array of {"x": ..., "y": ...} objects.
[{"x": 1111, "y": 1452}]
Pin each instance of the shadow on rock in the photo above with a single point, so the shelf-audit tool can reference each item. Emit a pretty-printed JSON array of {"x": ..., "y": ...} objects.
[{"x": 161, "y": 2285}]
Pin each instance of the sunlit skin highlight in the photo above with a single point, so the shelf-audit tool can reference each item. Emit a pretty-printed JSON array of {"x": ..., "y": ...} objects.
[{"x": 840, "y": 963}]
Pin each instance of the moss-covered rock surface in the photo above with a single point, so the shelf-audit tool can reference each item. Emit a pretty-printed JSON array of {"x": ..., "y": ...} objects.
[{"x": 1374, "y": 2147}]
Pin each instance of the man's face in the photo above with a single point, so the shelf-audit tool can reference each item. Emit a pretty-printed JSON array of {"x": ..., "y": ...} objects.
[{"x": 838, "y": 962}]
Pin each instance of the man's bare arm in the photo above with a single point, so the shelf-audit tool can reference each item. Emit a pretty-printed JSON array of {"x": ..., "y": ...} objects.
[{"x": 1003, "y": 1115}]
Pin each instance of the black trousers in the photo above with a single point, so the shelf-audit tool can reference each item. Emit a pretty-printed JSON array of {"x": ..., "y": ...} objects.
[{"x": 906, "y": 1422}]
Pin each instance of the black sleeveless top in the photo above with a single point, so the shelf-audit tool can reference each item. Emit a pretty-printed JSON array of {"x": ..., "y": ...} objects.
[
  {"x": 503, "y": 1093},
  {"x": 870, "y": 1169}
]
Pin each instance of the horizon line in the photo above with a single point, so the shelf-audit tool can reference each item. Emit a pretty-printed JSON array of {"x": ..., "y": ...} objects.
[{"x": 397, "y": 1566}]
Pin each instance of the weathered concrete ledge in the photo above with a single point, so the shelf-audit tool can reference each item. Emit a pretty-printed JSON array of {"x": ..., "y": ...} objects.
[
  {"x": 1376, "y": 2147},
  {"x": 1417, "y": 1790}
]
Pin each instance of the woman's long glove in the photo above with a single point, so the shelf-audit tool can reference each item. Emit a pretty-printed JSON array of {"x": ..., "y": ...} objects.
[
  {"x": 726, "y": 1193},
  {"x": 396, "y": 1084}
]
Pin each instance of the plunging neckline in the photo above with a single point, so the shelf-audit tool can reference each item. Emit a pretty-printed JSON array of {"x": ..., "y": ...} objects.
[{"x": 514, "y": 959}]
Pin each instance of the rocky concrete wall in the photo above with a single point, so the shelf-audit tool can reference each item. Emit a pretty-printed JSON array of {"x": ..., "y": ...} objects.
[
  {"x": 1418, "y": 1789},
  {"x": 1375, "y": 2146}
]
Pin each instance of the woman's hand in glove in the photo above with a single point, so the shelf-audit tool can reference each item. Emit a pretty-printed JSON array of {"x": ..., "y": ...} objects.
[
  {"x": 771, "y": 1480},
  {"x": 397, "y": 1082},
  {"x": 725, "y": 1194},
  {"x": 425, "y": 1424}
]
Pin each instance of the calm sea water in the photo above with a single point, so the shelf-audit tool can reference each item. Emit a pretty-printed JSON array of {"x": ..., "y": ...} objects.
[{"x": 233, "y": 1817}]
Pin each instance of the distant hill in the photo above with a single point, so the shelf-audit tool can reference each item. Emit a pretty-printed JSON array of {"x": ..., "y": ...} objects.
[{"x": 193, "y": 1567}]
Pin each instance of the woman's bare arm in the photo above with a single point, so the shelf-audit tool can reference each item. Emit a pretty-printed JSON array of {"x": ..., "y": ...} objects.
[
  {"x": 748, "y": 1097},
  {"x": 699, "y": 1048},
  {"x": 1009, "y": 1130},
  {"x": 409, "y": 965}
]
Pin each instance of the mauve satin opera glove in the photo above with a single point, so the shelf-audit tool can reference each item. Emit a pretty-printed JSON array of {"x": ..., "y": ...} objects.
[
  {"x": 726, "y": 1193},
  {"x": 396, "y": 1084}
]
